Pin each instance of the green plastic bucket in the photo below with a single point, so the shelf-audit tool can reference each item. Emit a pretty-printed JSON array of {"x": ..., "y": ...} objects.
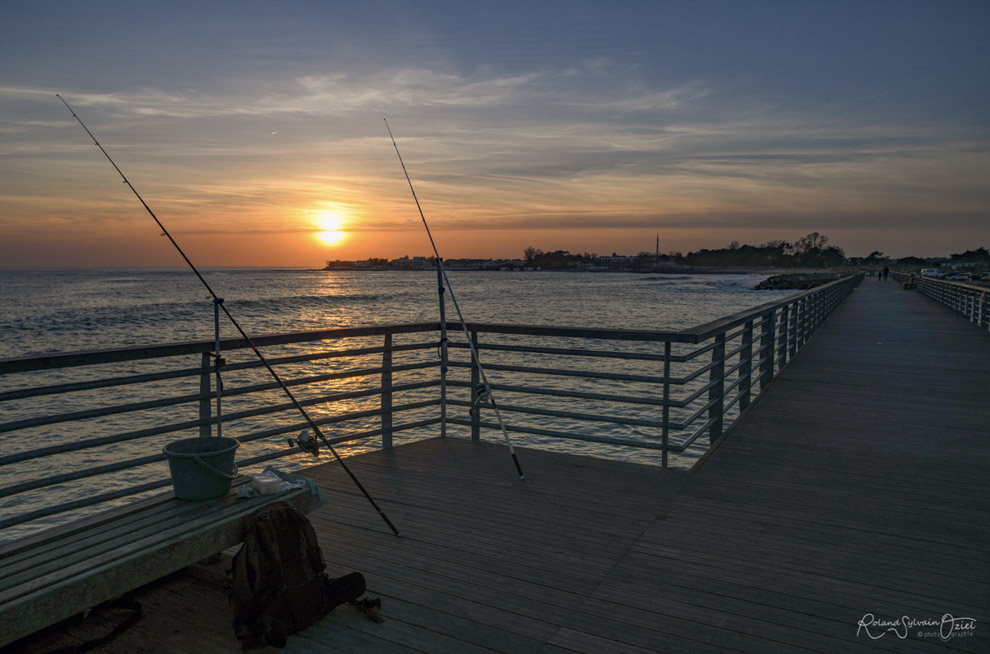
[{"x": 202, "y": 468}]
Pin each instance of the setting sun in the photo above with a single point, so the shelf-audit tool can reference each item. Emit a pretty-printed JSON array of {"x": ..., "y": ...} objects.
[
  {"x": 331, "y": 224},
  {"x": 330, "y": 237}
]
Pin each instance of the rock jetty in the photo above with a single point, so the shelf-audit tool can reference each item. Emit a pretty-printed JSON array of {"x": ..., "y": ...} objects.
[{"x": 795, "y": 281}]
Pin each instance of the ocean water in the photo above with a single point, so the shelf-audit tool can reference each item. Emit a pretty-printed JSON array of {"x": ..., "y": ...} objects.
[
  {"x": 71, "y": 310},
  {"x": 48, "y": 311}
]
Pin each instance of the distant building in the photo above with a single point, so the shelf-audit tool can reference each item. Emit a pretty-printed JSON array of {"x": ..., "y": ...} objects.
[
  {"x": 415, "y": 263},
  {"x": 337, "y": 264},
  {"x": 617, "y": 261}
]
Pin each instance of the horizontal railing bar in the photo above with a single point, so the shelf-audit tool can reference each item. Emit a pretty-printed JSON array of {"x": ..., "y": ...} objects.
[
  {"x": 729, "y": 371},
  {"x": 319, "y": 356},
  {"x": 581, "y": 395},
  {"x": 697, "y": 373},
  {"x": 102, "y": 440},
  {"x": 578, "y": 332},
  {"x": 689, "y": 400},
  {"x": 74, "y": 359},
  {"x": 72, "y": 387},
  {"x": 324, "y": 399},
  {"x": 687, "y": 423},
  {"x": 694, "y": 354},
  {"x": 573, "y": 415},
  {"x": 731, "y": 335},
  {"x": 193, "y": 372},
  {"x": 196, "y": 397},
  {"x": 733, "y": 384},
  {"x": 337, "y": 440},
  {"x": 735, "y": 398},
  {"x": 51, "y": 480},
  {"x": 355, "y": 415},
  {"x": 704, "y": 428},
  {"x": 62, "y": 507},
  {"x": 737, "y": 350},
  {"x": 711, "y": 346},
  {"x": 157, "y": 431},
  {"x": 563, "y": 351},
  {"x": 594, "y": 396},
  {"x": 563, "y": 372},
  {"x": 371, "y": 433},
  {"x": 97, "y": 413},
  {"x": 536, "y": 431},
  {"x": 315, "y": 379}
]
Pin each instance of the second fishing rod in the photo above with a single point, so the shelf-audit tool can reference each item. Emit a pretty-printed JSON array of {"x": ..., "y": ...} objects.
[
  {"x": 460, "y": 316},
  {"x": 219, "y": 302}
]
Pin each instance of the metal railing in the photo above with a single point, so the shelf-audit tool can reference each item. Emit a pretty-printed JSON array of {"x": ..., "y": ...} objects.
[
  {"x": 667, "y": 392},
  {"x": 67, "y": 420},
  {"x": 89, "y": 426},
  {"x": 966, "y": 299}
]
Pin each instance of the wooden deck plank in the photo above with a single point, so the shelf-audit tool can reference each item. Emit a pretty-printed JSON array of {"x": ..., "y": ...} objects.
[{"x": 881, "y": 450}]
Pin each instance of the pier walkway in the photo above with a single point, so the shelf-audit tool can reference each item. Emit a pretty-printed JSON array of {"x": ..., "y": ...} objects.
[{"x": 855, "y": 486}]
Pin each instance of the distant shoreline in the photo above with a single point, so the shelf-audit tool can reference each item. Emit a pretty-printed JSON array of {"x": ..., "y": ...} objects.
[{"x": 721, "y": 270}]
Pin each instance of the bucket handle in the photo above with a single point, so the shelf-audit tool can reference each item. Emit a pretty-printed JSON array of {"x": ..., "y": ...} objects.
[{"x": 206, "y": 465}]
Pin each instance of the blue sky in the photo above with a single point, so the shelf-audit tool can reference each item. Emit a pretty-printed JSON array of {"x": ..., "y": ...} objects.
[{"x": 251, "y": 126}]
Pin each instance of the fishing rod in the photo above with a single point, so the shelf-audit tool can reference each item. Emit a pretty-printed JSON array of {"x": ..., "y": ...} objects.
[
  {"x": 218, "y": 302},
  {"x": 460, "y": 316}
]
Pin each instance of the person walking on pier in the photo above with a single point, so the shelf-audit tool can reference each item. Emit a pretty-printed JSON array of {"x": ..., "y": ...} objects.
[{"x": 886, "y": 271}]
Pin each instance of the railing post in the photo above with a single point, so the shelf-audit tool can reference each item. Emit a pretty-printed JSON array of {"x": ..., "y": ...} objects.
[
  {"x": 443, "y": 350},
  {"x": 746, "y": 366},
  {"x": 665, "y": 431},
  {"x": 801, "y": 324},
  {"x": 387, "y": 393},
  {"x": 795, "y": 319},
  {"x": 823, "y": 304},
  {"x": 767, "y": 342},
  {"x": 812, "y": 324},
  {"x": 782, "y": 348},
  {"x": 475, "y": 381},
  {"x": 204, "y": 395},
  {"x": 716, "y": 394},
  {"x": 443, "y": 388}
]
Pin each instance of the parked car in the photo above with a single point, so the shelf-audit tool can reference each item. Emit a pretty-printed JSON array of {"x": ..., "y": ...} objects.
[
  {"x": 932, "y": 272},
  {"x": 961, "y": 277},
  {"x": 985, "y": 277}
]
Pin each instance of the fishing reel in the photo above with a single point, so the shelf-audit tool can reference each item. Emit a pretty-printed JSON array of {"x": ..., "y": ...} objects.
[
  {"x": 483, "y": 396},
  {"x": 306, "y": 443}
]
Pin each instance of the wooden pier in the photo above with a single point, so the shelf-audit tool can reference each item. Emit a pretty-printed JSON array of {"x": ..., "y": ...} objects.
[{"x": 856, "y": 485}]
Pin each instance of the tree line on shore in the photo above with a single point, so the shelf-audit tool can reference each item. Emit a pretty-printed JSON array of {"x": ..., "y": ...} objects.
[{"x": 811, "y": 251}]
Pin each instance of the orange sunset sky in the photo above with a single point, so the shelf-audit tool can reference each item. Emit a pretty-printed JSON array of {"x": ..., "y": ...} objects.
[{"x": 255, "y": 130}]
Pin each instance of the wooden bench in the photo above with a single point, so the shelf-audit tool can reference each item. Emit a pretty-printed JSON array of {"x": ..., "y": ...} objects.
[{"x": 57, "y": 573}]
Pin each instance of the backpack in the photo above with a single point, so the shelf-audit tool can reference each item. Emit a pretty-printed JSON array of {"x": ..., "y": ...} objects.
[{"x": 280, "y": 585}]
